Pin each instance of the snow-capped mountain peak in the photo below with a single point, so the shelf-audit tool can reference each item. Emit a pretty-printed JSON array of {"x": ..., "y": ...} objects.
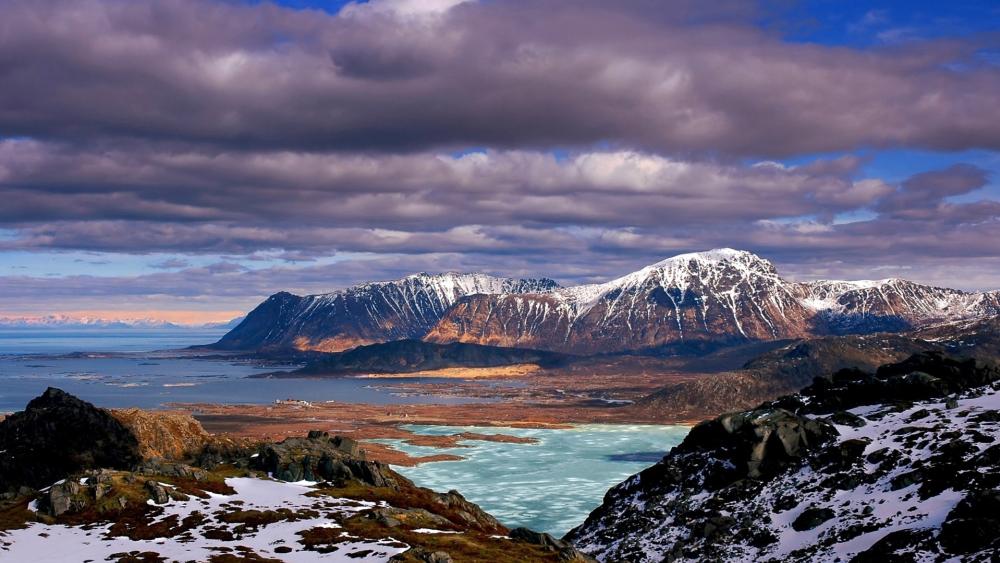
[{"x": 719, "y": 295}]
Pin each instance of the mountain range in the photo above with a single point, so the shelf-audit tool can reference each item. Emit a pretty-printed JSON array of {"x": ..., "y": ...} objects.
[
  {"x": 88, "y": 323},
  {"x": 721, "y": 296}
]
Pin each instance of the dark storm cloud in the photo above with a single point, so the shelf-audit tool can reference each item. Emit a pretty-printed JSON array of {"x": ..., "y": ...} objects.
[{"x": 659, "y": 76}]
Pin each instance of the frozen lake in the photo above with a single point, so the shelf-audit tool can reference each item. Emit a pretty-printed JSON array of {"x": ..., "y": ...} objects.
[{"x": 551, "y": 485}]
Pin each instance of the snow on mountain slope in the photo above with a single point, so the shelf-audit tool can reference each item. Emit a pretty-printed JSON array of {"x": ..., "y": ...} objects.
[
  {"x": 864, "y": 306},
  {"x": 364, "y": 314},
  {"x": 798, "y": 480},
  {"x": 717, "y": 296}
]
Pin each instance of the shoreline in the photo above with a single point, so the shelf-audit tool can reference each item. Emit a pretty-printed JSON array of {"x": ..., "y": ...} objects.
[{"x": 367, "y": 422}]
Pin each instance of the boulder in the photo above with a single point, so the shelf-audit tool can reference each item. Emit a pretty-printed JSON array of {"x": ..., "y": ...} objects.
[
  {"x": 847, "y": 419},
  {"x": 62, "y": 497},
  {"x": 425, "y": 555},
  {"x": 758, "y": 443},
  {"x": 466, "y": 513},
  {"x": 812, "y": 517}
]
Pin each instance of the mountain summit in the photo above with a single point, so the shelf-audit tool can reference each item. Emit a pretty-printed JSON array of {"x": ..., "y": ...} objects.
[{"x": 714, "y": 297}]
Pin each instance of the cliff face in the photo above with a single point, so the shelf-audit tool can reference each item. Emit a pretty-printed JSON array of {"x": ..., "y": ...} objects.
[{"x": 900, "y": 464}]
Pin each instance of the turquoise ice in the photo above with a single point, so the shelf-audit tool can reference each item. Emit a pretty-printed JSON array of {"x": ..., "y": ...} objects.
[{"x": 549, "y": 486}]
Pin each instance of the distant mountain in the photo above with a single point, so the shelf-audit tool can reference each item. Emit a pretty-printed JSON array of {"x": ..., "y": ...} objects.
[
  {"x": 364, "y": 314},
  {"x": 68, "y": 322},
  {"x": 409, "y": 356},
  {"x": 230, "y": 324},
  {"x": 722, "y": 296}
]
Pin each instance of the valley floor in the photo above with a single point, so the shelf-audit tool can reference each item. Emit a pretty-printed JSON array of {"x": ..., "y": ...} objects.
[{"x": 554, "y": 400}]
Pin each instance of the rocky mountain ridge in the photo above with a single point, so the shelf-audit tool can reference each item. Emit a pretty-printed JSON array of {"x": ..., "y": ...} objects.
[
  {"x": 364, "y": 314},
  {"x": 902, "y": 464},
  {"x": 721, "y": 296},
  {"x": 410, "y": 356}
]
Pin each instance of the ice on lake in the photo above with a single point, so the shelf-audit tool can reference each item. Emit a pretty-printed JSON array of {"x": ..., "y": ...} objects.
[{"x": 549, "y": 486}]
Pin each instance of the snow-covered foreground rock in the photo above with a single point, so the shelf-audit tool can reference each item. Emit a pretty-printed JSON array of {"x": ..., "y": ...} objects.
[
  {"x": 908, "y": 471},
  {"x": 198, "y": 529}
]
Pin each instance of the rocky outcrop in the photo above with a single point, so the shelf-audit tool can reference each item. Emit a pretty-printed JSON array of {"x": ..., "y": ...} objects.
[
  {"x": 164, "y": 434},
  {"x": 57, "y": 435},
  {"x": 896, "y": 464},
  {"x": 321, "y": 457},
  {"x": 565, "y": 549},
  {"x": 919, "y": 377}
]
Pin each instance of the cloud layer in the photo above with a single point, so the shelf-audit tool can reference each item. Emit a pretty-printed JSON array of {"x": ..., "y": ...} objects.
[
  {"x": 574, "y": 139},
  {"x": 663, "y": 76}
]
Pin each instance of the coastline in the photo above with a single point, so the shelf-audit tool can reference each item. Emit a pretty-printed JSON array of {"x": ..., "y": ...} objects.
[{"x": 367, "y": 422}]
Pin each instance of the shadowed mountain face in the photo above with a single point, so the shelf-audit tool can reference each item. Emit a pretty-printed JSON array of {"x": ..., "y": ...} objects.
[
  {"x": 409, "y": 356},
  {"x": 778, "y": 372},
  {"x": 364, "y": 314},
  {"x": 716, "y": 297}
]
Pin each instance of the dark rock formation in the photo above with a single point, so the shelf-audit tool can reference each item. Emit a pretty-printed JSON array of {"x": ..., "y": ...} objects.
[
  {"x": 407, "y": 356},
  {"x": 920, "y": 377},
  {"x": 320, "y": 457},
  {"x": 57, "y": 435},
  {"x": 919, "y": 433},
  {"x": 973, "y": 524}
]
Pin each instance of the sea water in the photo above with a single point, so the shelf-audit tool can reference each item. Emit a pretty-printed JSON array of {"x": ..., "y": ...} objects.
[
  {"x": 135, "y": 368},
  {"x": 551, "y": 485}
]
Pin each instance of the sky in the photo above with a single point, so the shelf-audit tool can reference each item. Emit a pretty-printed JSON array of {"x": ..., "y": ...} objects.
[{"x": 185, "y": 159}]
